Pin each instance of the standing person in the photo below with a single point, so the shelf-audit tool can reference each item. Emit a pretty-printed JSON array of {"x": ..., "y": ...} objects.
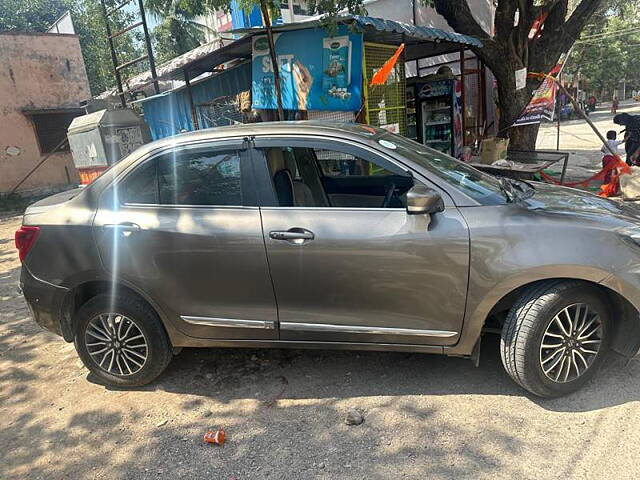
[
  {"x": 614, "y": 105},
  {"x": 631, "y": 136},
  {"x": 607, "y": 158},
  {"x": 612, "y": 142}
]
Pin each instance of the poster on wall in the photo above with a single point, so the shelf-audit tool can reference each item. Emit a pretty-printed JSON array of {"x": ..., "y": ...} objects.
[{"x": 318, "y": 71}]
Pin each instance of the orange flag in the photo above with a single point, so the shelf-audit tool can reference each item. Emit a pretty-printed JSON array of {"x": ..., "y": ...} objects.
[{"x": 381, "y": 76}]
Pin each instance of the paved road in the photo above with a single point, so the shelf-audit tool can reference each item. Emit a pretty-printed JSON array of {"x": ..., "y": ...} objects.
[{"x": 425, "y": 416}]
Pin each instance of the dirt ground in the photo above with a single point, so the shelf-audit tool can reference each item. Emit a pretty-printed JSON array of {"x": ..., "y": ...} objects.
[
  {"x": 425, "y": 416},
  {"x": 578, "y": 138}
]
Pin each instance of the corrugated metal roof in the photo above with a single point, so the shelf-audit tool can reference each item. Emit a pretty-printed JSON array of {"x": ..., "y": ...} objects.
[
  {"x": 206, "y": 57},
  {"x": 411, "y": 33},
  {"x": 213, "y": 53},
  {"x": 416, "y": 31}
]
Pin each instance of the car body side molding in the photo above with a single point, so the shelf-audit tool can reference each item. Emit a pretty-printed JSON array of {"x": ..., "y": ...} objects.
[
  {"x": 228, "y": 322},
  {"x": 327, "y": 327}
]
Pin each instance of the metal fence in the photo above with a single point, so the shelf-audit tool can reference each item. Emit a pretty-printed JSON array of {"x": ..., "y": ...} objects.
[{"x": 386, "y": 105}]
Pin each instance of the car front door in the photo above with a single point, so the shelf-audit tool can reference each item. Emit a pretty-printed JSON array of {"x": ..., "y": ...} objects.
[
  {"x": 184, "y": 228},
  {"x": 348, "y": 263}
]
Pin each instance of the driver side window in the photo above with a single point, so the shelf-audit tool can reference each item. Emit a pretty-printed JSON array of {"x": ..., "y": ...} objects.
[{"x": 306, "y": 176}]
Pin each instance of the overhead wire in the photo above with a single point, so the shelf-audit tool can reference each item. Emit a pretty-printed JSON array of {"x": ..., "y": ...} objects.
[
  {"x": 612, "y": 35},
  {"x": 622, "y": 30}
]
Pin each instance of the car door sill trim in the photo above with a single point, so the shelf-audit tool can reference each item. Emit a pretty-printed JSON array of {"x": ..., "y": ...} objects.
[
  {"x": 229, "y": 322},
  {"x": 327, "y": 327}
]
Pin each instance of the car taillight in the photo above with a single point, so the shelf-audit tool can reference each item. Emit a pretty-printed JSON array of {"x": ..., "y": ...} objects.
[{"x": 25, "y": 238}]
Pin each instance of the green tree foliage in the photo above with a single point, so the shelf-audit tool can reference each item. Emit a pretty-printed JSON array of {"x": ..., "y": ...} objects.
[
  {"x": 332, "y": 8},
  {"x": 29, "y": 16},
  {"x": 90, "y": 26},
  {"x": 177, "y": 31},
  {"x": 608, "y": 51}
]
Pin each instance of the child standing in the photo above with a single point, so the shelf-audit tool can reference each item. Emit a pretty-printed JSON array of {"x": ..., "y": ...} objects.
[
  {"x": 612, "y": 142},
  {"x": 609, "y": 159}
]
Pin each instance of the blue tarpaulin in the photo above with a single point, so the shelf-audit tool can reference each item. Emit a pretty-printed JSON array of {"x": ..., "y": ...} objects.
[{"x": 169, "y": 113}]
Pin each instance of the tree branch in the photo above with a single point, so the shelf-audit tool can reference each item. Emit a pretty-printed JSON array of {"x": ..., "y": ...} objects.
[
  {"x": 458, "y": 15},
  {"x": 505, "y": 18},
  {"x": 558, "y": 35},
  {"x": 579, "y": 18},
  {"x": 557, "y": 15}
]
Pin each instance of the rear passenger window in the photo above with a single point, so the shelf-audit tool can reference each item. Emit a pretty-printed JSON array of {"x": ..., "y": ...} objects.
[
  {"x": 186, "y": 177},
  {"x": 200, "y": 178},
  {"x": 140, "y": 186}
]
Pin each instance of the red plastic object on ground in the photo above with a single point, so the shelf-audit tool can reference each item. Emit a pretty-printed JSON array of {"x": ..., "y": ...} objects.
[{"x": 216, "y": 437}]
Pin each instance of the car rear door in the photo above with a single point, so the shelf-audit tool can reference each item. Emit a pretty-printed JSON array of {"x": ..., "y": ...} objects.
[
  {"x": 183, "y": 227},
  {"x": 349, "y": 264}
]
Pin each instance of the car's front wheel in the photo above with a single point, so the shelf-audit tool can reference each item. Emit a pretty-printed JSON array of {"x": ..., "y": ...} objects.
[
  {"x": 556, "y": 336},
  {"x": 121, "y": 341}
]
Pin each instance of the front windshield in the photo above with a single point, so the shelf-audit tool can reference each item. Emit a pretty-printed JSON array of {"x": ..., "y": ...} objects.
[{"x": 478, "y": 185}]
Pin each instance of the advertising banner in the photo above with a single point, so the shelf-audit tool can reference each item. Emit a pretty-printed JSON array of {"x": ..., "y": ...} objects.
[
  {"x": 543, "y": 102},
  {"x": 318, "y": 71}
]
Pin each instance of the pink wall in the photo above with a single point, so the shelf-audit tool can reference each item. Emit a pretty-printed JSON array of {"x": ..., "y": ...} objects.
[{"x": 38, "y": 71}]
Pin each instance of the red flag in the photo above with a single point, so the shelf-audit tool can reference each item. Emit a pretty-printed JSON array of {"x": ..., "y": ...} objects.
[
  {"x": 538, "y": 24},
  {"x": 381, "y": 76}
]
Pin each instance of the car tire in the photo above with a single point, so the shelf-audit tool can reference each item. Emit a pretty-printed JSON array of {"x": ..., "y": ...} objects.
[
  {"x": 544, "y": 342},
  {"x": 122, "y": 327}
]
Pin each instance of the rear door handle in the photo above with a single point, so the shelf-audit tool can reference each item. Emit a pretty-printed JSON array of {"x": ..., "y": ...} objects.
[
  {"x": 122, "y": 227},
  {"x": 293, "y": 235}
]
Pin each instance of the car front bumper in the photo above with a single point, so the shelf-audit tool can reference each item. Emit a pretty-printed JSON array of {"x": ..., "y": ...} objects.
[{"x": 44, "y": 300}]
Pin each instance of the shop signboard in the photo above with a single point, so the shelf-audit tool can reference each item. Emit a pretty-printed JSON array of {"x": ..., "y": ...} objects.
[{"x": 318, "y": 70}]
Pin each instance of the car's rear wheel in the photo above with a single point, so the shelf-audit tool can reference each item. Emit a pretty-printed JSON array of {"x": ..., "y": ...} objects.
[
  {"x": 122, "y": 342},
  {"x": 556, "y": 336}
]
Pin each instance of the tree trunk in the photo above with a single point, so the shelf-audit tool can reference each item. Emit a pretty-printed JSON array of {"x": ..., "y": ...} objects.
[
  {"x": 523, "y": 137},
  {"x": 508, "y": 49},
  {"x": 274, "y": 60},
  {"x": 512, "y": 102}
]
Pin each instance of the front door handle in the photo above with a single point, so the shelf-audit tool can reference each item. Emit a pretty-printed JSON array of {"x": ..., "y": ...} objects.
[
  {"x": 126, "y": 227},
  {"x": 293, "y": 235}
]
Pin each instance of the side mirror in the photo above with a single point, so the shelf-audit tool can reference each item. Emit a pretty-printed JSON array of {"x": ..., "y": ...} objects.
[{"x": 421, "y": 200}]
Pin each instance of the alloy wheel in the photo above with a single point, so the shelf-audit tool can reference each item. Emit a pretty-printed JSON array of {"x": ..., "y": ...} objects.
[
  {"x": 116, "y": 344},
  {"x": 570, "y": 343}
]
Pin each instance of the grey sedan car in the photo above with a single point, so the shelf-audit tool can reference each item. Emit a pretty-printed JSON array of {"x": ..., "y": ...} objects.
[{"x": 310, "y": 235}]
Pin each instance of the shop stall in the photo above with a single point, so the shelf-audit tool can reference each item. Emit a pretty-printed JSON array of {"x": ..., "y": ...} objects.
[{"x": 326, "y": 72}]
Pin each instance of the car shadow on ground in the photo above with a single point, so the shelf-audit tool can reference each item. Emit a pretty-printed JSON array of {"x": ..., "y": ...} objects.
[
  {"x": 57, "y": 435},
  {"x": 271, "y": 374}
]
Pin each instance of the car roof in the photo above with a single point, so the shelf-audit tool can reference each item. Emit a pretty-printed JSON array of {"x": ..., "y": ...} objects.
[{"x": 300, "y": 127}]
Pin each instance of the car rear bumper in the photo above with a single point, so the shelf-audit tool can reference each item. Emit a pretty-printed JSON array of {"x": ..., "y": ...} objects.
[{"x": 44, "y": 300}]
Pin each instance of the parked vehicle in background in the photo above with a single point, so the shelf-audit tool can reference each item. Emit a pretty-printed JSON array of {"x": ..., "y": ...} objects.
[{"x": 309, "y": 235}]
